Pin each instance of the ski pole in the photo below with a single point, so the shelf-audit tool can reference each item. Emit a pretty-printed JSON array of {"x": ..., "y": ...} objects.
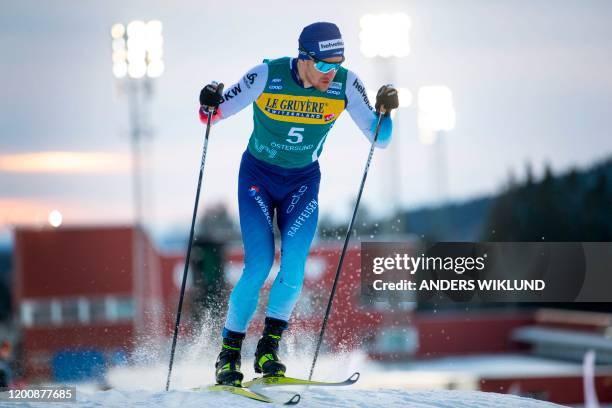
[
  {"x": 346, "y": 241},
  {"x": 211, "y": 112}
]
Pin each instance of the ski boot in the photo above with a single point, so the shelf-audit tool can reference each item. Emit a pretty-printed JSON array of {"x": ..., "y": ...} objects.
[
  {"x": 266, "y": 355},
  {"x": 227, "y": 367}
]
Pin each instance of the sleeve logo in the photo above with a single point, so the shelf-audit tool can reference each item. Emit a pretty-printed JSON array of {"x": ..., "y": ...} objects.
[
  {"x": 362, "y": 91},
  {"x": 249, "y": 79},
  {"x": 234, "y": 91}
]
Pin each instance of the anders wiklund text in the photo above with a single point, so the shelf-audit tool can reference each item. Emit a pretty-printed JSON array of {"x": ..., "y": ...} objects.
[{"x": 462, "y": 285}]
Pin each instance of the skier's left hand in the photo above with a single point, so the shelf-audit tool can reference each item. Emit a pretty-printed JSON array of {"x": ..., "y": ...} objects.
[{"x": 386, "y": 99}]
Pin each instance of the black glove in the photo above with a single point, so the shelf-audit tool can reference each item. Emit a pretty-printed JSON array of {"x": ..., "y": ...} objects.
[
  {"x": 387, "y": 96},
  {"x": 211, "y": 95}
]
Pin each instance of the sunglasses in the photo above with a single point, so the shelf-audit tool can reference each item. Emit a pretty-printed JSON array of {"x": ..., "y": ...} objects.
[{"x": 323, "y": 66}]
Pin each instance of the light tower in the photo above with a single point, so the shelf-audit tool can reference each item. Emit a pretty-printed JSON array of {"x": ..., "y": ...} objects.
[{"x": 137, "y": 55}]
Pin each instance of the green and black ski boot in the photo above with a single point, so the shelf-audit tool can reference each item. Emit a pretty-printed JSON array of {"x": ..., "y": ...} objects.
[
  {"x": 266, "y": 355},
  {"x": 227, "y": 367}
]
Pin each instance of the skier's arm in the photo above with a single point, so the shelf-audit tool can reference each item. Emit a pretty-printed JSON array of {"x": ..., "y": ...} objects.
[
  {"x": 241, "y": 94},
  {"x": 358, "y": 106}
]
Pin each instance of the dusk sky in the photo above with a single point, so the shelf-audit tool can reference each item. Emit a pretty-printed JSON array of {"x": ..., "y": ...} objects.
[{"x": 531, "y": 80}]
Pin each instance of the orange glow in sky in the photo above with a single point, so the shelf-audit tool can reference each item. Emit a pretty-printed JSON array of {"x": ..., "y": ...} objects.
[
  {"x": 64, "y": 162},
  {"x": 22, "y": 211},
  {"x": 15, "y": 211}
]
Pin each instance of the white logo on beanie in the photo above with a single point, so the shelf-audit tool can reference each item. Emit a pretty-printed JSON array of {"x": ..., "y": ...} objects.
[{"x": 331, "y": 44}]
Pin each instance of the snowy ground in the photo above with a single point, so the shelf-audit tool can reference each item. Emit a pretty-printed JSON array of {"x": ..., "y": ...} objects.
[
  {"x": 143, "y": 387},
  {"x": 403, "y": 385},
  {"x": 311, "y": 398},
  {"x": 379, "y": 386}
]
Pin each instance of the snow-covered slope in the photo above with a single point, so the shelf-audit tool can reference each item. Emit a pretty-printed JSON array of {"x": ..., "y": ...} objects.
[
  {"x": 142, "y": 385},
  {"x": 310, "y": 398}
]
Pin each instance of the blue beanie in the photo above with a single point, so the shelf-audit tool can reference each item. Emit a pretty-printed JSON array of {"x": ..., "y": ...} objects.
[{"x": 321, "y": 40}]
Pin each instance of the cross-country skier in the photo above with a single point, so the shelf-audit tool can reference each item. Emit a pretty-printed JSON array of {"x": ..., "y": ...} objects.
[{"x": 296, "y": 101}]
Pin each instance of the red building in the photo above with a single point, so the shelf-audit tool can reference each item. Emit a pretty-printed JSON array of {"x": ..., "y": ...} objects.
[{"x": 92, "y": 291}]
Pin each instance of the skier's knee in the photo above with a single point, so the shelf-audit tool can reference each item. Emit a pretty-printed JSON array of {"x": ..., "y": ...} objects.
[
  {"x": 258, "y": 265},
  {"x": 294, "y": 284},
  {"x": 292, "y": 276}
]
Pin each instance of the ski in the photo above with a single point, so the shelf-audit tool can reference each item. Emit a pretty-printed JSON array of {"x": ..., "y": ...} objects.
[
  {"x": 278, "y": 380},
  {"x": 248, "y": 394}
]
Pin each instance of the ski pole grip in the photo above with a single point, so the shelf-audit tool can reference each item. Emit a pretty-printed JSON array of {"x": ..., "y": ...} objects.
[{"x": 220, "y": 89}]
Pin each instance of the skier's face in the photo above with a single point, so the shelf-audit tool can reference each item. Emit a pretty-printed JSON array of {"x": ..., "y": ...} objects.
[{"x": 318, "y": 79}]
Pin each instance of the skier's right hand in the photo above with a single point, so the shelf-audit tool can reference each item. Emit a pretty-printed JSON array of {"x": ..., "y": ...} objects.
[{"x": 211, "y": 97}]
